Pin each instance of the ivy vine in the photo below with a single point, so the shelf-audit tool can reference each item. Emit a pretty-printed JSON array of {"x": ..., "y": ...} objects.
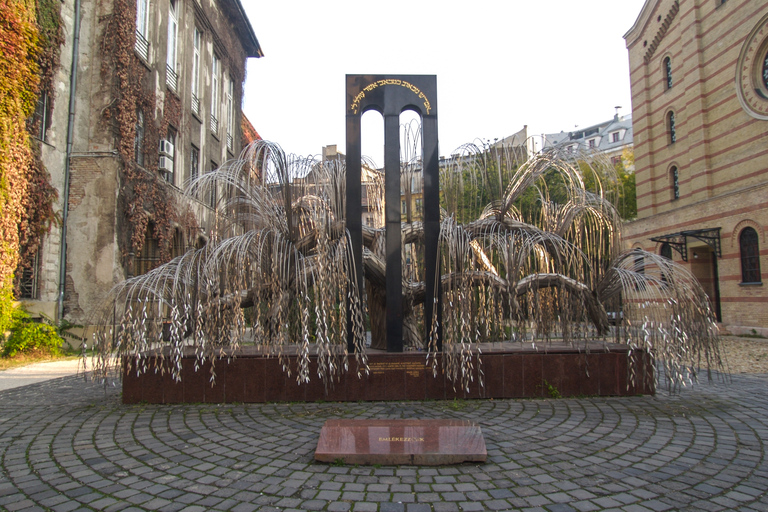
[
  {"x": 30, "y": 41},
  {"x": 144, "y": 195}
]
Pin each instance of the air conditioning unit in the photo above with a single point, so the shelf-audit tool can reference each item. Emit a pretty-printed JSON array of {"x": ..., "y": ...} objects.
[
  {"x": 165, "y": 164},
  {"x": 166, "y": 148}
]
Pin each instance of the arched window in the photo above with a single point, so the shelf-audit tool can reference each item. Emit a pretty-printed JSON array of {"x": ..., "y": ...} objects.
[
  {"x": 671, "y": 127},
  {"x": 674, "y": 180},
  {"x": 666, "y": 252},
  {"x": 749, "y": 249},
  {"x": 668, "y": 72},
  {"x": 177, "y": 244},
  {"x": 149, "y": 257}
]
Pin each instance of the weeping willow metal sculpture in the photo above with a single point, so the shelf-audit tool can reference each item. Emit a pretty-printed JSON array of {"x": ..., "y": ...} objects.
[
  {"x": 551, "y": 268},
  {"x": 282, "y": 255},
  {"x": 530, "y": 250}
]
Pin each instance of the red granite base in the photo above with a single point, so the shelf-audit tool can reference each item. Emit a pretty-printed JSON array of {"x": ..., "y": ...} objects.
[
  {"x": 510, "y": 370},
  {"x": 426, "y": 442}
]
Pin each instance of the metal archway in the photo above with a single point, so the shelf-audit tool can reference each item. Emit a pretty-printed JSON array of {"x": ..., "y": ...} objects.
[{"x": 390, "y": 95}]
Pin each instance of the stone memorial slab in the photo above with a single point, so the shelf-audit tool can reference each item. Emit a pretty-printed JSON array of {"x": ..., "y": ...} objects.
[{"x": 391, "y": 442}]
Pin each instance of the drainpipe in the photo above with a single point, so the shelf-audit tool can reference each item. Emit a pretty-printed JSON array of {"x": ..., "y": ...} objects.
[{"x": 70, "y": 136}]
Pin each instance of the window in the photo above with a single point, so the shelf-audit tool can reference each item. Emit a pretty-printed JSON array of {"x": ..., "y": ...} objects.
[
  {"x": 167, "y": 166},
  {"x": 750, "y": 256},
  {"x": 668, "y": 72},
  {"x": 615, "y": 137},
  {"x": 591, "y": 143},
  {"x": 40, "y": 118},
  {"x": 615, "y": 160},
  {"x": 765, "y": 70},
  {"x": 213, "y": 192},
  {"x": 138, "y": 141},
  {"x": 666, "y": 250},
  {"x": 639, "y": 267},
  {"x": 171, "y": 75},
  {"x": 177, "y": 244},
  {"x": 150, "y": 253},
  {"x": 230, "y": 114},
  {"x": 194, "y": 163},
  {"x": 675, "y": 182},
  {"x": 215, "y": 94},
  {"x": 671, "y": 127},
  {"x": 28, "y": 283},
  {"x": 142, "y": 24},
  {"x": 196, "y": 42}
]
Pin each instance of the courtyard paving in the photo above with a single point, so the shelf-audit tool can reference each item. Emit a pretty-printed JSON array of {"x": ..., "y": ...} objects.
[{"x": 66, "y": 444}]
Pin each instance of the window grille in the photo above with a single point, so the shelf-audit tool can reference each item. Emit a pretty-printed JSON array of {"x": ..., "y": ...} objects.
[
  {"x": 28, "y": 281},
  {"x": 749, "y": 247},
  {"x": 671, "y": 127},
  {"x": 675, "y": 177},
  {"x": 171, "y": 78},
  {"x": 668, "y": 72},
  {"x": 142, "y": 46}
]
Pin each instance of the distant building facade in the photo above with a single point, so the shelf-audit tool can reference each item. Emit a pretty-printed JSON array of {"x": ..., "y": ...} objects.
[
  {"x": 699, "y": 75},
  {"x": 611, "y": 138},
  {"x": 156, "y": 94}
]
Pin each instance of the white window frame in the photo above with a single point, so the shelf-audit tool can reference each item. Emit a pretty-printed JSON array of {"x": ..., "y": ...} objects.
[
  {"x": 142, "y": 17},
  {"x": 215, "y": 94},
  {"x": 173, "y": 35},
  {"x": 142, "y": 28},
  {"x": 230, "y": 113},
  {"x": 197, "y": 38}
]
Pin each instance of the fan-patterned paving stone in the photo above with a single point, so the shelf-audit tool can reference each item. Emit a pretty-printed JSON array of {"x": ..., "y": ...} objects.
[{"x": 71, "y": 445}]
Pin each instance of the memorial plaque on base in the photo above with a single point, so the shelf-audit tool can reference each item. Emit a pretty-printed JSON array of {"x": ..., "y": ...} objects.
[{"x": 392, "y": 442}]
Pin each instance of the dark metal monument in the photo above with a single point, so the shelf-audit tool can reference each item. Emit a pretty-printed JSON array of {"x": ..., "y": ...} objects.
[
  {"x": 391, "y": 95},
  {"x": 512, "y": 309}
]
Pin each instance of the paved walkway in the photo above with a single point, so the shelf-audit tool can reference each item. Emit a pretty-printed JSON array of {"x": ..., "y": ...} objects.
[
  {"x": 38, "y": 372},
  {"x": 70, "y": 445}
]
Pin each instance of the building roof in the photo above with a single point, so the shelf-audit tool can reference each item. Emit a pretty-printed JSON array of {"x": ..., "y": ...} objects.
[
  {"x": 244, "y": 28},
  {"x": 249, "y": 132},
  {"x": 601, "y": 134}
]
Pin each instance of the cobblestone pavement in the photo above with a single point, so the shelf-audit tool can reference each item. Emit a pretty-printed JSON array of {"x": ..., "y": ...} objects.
[{"x": 68, "y": 445}]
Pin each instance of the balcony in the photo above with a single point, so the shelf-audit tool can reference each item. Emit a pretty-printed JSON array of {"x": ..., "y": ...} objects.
[
  {"x": 230, "y": 142},
  {"x": 195, "y": 104},
  {"x": 171, "y": 78},
  {"x": 214, "y": 125},
  {"x": 142, "y": 46}
]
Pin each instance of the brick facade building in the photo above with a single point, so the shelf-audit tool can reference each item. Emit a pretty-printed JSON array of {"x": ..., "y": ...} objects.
[{"x": 699, "y": 76}]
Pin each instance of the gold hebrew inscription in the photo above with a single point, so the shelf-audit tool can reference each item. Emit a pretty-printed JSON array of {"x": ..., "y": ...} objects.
[
  {"x": 390, "y": 81},
  {"x": 412, "y": 368}
]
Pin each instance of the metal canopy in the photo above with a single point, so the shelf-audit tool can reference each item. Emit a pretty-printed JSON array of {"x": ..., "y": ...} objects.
[{"x": 679, "y": 241}]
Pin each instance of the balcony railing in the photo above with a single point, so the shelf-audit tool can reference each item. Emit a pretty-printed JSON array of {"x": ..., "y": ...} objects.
[
  {"x": 230, "y": 141},
  {"x": 171, "y": 78},
  {"x": 195, "y": 104},
  {"x": 142, "y": 46},
  {"x": 167, "y": 176},
  {"x": 214, "y": 124}
]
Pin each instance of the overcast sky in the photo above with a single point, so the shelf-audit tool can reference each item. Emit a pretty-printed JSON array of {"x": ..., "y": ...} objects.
[{"x": 549, "y": 64}]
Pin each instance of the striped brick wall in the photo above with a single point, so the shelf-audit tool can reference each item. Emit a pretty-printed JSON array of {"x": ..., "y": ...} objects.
[{"x": 720, "y": 151}]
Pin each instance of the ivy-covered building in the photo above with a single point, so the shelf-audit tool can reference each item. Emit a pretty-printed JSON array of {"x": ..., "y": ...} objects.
[{"x": 147, "y": 97}]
